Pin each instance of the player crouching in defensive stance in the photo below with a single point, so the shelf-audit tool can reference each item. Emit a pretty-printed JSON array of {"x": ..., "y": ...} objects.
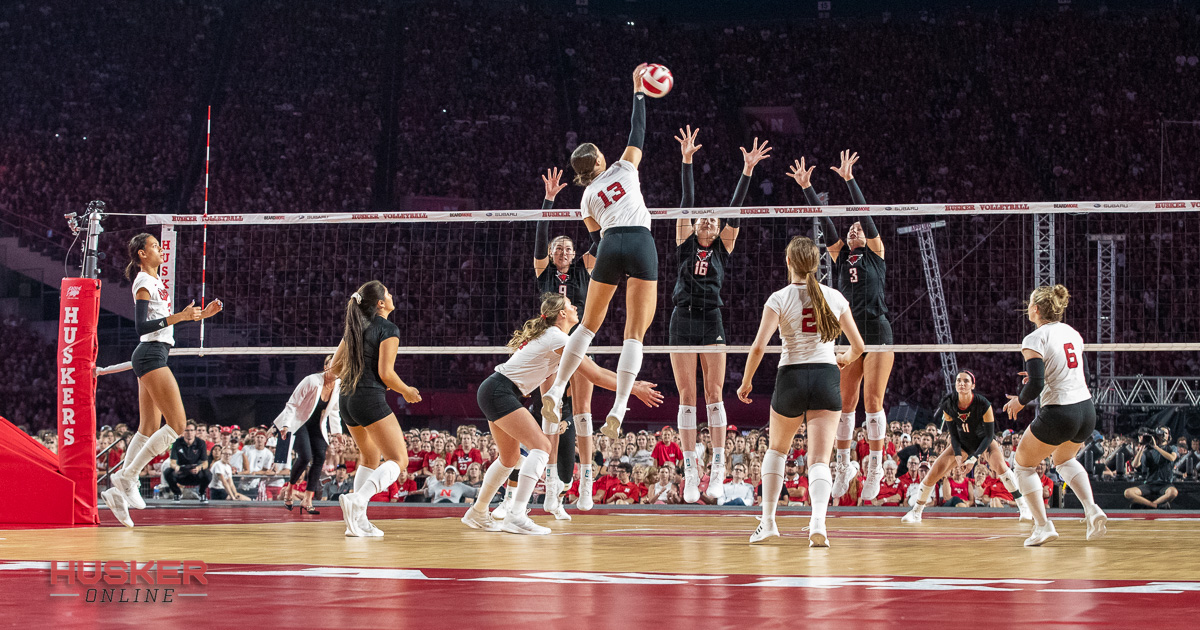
[
  {"x": 537, "y": 348},
  {"x": 972, "y": 429}
]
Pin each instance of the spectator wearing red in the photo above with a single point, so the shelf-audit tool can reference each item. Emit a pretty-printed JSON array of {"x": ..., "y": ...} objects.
[
  {"x": 1047, "y": 484},
  {"x": 957, "y": 488},
  {"x": 623, "y": 491},
  {"x": 667, "y": 451},
  {"x": 993, "y": 491},
  {"x": 891, "y": 489},
  {"x": 465, "y": 454},
  {"x": 795, "y": 482}
]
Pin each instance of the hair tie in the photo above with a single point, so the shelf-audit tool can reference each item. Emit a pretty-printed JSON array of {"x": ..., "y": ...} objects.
[
  {"x": 543, "y": 316},
  {"x": 357, "y": 297}
]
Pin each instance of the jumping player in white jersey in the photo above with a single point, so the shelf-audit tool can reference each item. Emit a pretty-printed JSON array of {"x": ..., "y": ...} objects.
[
  {"x": 1054, "y": 372},
  {"x": 158, "y": 393},
  {"x": 702, "y": 253},
  {"x": 612, "y": 203},
  {"x": 537, "y": 350},
  {"x": 809, "y": 317},
  {"x": 972, "y": 429}
]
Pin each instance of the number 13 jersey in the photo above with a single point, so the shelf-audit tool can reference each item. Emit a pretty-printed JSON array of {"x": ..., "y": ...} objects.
[
  {"x": 798, "y": 324},
  {"x": 1061, "y": 348},
  {"x": 615, "y": 198}
]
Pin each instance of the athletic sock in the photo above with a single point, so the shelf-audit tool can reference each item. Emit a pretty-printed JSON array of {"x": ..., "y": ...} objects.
[
  {"x": 572, "y": 356},
  {"x": 772, "y": 482},
  {"x": 1076, "y": 476},
  {"x": 361, "y": 475},
  {"x": 382, "y": 479},
  {"x": 820, "y": 487},
  {"x": 689, "y": 461},
  {"x": 136, "y": 444},
  {"x": 843, "y": 457},
  {"x": 923, "y": 498},
  {"x": 1031, "y": 486},
  {"x": 719, "y": 457},
  {"x": 628, "y": 367},
  {"x": 155, "y": 445},
  {"x": 495, "y": 477},
  {"x": 876, "y": 458},
  {"x": 532, "y": 470}
]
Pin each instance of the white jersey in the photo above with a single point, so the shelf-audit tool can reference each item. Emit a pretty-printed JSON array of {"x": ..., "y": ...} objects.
[
  {"x": 615, "y": 198},
  {"x": 798, "y": 325},
  {"x": 1061, "y": 348},
  {"x": 160, "y": 306},
  {"x": 535, "y": 362}
]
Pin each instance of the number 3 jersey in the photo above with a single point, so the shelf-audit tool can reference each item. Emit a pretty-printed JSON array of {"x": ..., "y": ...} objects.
[
  {"x": 860, "y": 276},
  {"x": 701, "y": 272},
  {"x": 1061, "y": 348},
  {"x": 798, "y": 324},
  {"x": 615, "y": 198}
]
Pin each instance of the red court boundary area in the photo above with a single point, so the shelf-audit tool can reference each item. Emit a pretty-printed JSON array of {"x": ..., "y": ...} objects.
[{"x": 264, "y": 596}]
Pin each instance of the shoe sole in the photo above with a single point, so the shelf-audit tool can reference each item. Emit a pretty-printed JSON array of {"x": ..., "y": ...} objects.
[
  {"x": 550, "y": 410},
  {"x": 1053, "y": 537},
  {"x": 1100, "y": 530},
  {"x": 473, "y": 525},
  {"x": 818, "y": 540},
  {"x": 562, "y": 517},
  {"x": 612, "y": 427},
  {"x": 525, "y": 532}
]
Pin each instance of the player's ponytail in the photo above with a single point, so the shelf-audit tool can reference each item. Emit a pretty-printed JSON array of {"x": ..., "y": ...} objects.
[
  {"x": 136, "y": 244},
  {"x": 360, "y": 310},
  {"x": 1051, "y": 302},
  {"x": 583, "y": 161},
  {"x": 552, "y": 305},
  {"x": 802, "y": 259}
]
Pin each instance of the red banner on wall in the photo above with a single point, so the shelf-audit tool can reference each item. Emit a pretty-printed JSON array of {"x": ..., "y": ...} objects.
[{"x": 78, "y": 314}]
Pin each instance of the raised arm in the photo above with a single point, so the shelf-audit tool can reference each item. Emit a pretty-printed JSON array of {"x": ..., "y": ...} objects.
[
  {"x": 803, "y": 176},
  {"x": 541, "y": 242},
  {"x": 688, "y": 147},
  {"x": 637, "y": 132},
  {"x": 750, "y": 158},
  {"x": 846, "y": 170}
]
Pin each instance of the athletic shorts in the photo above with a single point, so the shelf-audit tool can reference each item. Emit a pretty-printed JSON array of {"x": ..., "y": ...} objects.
[
  {"x": 954, "y": 502},
  {"x": 806, "y": 387},
  {"x": 626, "y": 251},
  {"x": 498, "y": 396},
  {"x": 875, "y": 332},
  {"x": 1152, "y": 491},
  {"x": 149, "y": 356},
  {"x": 1056, "y": 424},
  {"x": 696, "y": 327},
  {"x": 365, "y": 407}
]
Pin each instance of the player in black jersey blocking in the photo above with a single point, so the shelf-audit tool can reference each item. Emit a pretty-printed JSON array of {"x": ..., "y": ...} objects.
[
  {"x": 972, "y": 428},
  {"x": 702, "y": 252},
  {"x": 860, "y": 277},
  {"x": 559, "y": 270}
]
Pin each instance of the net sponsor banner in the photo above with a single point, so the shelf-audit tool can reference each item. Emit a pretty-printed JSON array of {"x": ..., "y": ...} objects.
[
  {"x": 1093, "y": 207},
  {"x": 79, "y": 312}
]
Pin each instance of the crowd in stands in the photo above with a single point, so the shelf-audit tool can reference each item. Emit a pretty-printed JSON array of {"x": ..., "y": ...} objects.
[{"x": 486, "y": 96}]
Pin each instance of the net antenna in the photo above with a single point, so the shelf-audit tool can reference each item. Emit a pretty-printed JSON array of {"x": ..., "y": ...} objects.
[
  {"x": 204, "y": 246},
  {"x": 937, "y": 297}
]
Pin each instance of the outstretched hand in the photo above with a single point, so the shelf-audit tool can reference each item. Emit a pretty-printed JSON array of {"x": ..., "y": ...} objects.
[
  {"x": 646, "y": 393},
  {"x": 846, "y": 170},
  {"x": 550, "y": 179},
  {"x": 638, "y": 73},
  {"x": 802, "y": 175},
  {"x": 1013, "y": 407},
  {"x": 687, "y": 143},
  {"x": 211, "y": 309},
  {"x": 754, "y": 156}
]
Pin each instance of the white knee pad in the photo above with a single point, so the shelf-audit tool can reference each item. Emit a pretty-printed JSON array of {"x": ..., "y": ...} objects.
[
  {"x": 845, "y": 428},
  {"x": 716, "y": 416},
  {"x": 583, "y": 424},
  {"x": 1070, "y": 470},
  {"x": 686, "y": 418},
  {"x": 876, "y": 425},
  {"x": 548, "y": 427}
]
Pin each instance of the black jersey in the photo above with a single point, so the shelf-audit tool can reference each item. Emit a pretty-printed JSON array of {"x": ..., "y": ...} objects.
[
  {"x": 967, "y": 424},
  {"x": 701, "y": 273},
  {"x": 572, "y": 283},
  {"x": 374, "y": 335},
  {"x": 860, "y": 274}
]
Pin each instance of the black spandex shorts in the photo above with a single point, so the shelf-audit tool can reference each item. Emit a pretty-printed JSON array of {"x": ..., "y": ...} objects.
[
  {"x": 498, "y": 396},
  {"x": 1056, "y": 424},
  {"x": 365, "y": 407},
  {"x": 875, "y": 332},
  {"x": 149, "y": 356},
  {"x": 696, "y": 327},
  {"x": 626, "y": 251},
  {"x": 1152, "y": 491},
  {"x": 807, "y": 387},
  {"x": 954, "y": 502}
]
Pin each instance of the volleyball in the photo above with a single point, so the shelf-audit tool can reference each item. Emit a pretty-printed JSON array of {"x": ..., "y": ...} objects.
[{"x": 657, "y": 80}]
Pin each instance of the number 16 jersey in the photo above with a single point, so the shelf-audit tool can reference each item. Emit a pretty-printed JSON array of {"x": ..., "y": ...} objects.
[
  {"x": 614, "y": 199},
  {"x": 1061, "y": 348},
  {"x": 798, "y": 324}
]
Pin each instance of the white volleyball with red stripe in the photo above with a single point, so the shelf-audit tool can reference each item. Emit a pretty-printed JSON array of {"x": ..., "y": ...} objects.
[{"x": 657, "y": 80}]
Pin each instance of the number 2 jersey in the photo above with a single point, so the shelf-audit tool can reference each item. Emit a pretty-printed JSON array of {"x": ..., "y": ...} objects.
[
  {"x": 1061, "y": 348},
  {"x": 701, "y": 272},
  {"x": 798, "y": 324},
  {"x": 860, "y": 277},
  {"x": 615, "y": 198}
]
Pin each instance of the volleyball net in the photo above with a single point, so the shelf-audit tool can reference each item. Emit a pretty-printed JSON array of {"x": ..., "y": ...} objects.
[{"x": 958, "y": 276}]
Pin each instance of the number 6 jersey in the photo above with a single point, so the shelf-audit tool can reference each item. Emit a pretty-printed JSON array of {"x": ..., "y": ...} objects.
[
  {"x": 615, "y": 198},
  {"x": 798, "y": 324},
  {"x": 1061, "y": 348}
]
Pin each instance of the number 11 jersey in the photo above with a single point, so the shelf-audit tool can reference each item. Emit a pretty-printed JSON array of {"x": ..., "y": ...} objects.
[
  {"x": 1061, "y": 348},
  {"x": 614, "y": 199},
  {"x": 798, "y": 324}
]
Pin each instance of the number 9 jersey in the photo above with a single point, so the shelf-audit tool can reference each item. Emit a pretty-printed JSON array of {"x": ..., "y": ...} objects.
[
  {"x": 1061, "y": 348},
  {"x": 614, "y": 199},
  {"x": 798, "y": 324}
]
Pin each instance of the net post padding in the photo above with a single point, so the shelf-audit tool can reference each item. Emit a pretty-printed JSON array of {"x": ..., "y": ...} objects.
[{"x": 79, "y": 314}]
